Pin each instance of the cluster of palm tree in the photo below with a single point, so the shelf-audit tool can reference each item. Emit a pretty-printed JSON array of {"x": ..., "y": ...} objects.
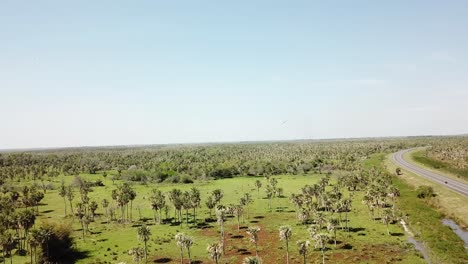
[
  {"x": 18, "y": 212},
  {"x": 450, "y": 150},
  {"x": 124, "y": 195},
  {"x": 184, "y": 242},
  {"x": 187, "y": 200},
  {"x": 160, "y": 163}
]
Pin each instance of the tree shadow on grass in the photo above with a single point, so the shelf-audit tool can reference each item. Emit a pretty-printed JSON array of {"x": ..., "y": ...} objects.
[
  {"x": 398, "y": 234},
  {"x": 346, "y": 246},
  {"x": 162, "y": 260},
  {"x": 244, "y": 251},
  {"x": 356, "y": 229},
  {"x": 259, "y": 217}
]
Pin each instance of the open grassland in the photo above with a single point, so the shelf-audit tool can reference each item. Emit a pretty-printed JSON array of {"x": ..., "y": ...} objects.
[
  {"x": 367, "y": 242},
  {"x": 318, "y": 189}
]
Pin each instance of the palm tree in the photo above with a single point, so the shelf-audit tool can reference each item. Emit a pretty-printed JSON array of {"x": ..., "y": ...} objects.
[
  {"x": 252, "y": 260},
  {"x": 34, "y": 241},
  {"x": 238, "y": 211},
  {"x": 63, "y": 192},
  {"x": 44, "y": 236},
  {"x": 70, "y": 196},
  {"x": 332, "y": 225},
  {"x": 217, "y": 195},
  {"x": 303, "y": 247},
  {"x": 195, "y": 200},
  {"x": 253, "y": 232},
  {"x": 7, "y": 242},
  {"x": 321, "y": 240},
  {"x": 258, "y": 184},
  {"x": 210, "y": 204},
  {"x": 214, "y": 251},
  {"x": 137, "y": 253},
  {"x": 144, "y": 234},
  {"x": 269, "y": 194},
  {"x": 387, "y": 218},
  {"x": 158, "y": 201},
  {"x": 187, "y": 243},
  {"x": 105, "y": 205},
  {"x": 179, "y": 237},
  {"x": 220, "y": 216},
  {"x": 285, "y": 233}
]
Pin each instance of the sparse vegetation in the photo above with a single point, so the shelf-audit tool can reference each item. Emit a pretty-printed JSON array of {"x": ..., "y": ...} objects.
[{"x": 338, "y": 198}]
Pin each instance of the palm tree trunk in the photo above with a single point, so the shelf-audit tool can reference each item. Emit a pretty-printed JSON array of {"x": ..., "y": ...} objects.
[
  {"x": 189, "y": 259},
  {"x": 146, "y": 253},
  {"x": 323, "y": 254},
  {"x": 131, "y": 210},
  {"x": 71, "y": 206},
  {"x": 64, "y": 203},
  {"x": 194, "y": 216},
  {"x": 181, "y": 256}
]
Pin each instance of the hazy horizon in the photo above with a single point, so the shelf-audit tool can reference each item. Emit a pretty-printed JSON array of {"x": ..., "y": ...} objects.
[{"x": 120, "y": 73}]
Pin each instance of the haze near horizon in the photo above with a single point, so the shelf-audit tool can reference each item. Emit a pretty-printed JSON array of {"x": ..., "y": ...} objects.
[{"x": 153, "y": 72}]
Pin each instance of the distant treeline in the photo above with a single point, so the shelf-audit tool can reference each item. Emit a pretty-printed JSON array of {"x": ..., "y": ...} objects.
[{"x": 177, "y": 163}]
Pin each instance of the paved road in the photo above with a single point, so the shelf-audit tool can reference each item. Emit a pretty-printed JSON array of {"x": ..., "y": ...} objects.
[{"x": 457, "y": 186}]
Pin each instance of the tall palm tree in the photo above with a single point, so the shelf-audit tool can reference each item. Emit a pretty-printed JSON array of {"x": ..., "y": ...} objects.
[
  {"x": 214, "y": 251},
  {"x": 195, "y": 200},
  {"x": 144, "y": 234},
  {"x": 258, "y": 184},
  {"x": 179, "y": 238},
  {"x": 63, "y": 192},
  {"x": 303, "y": 248},
  {"x": 285, "y": 233},
  {"x": 220, "y": 216},
  {"x": 253, "y": 232},
  {"x": 332, "y": 225},
  {"x": 321, "y": 240},
  {"x": 105, "y": 205},
  {"x": 34, "y": 241},
  {"x": 387, "y": 218},
  {"x": 188, "y": 242}
]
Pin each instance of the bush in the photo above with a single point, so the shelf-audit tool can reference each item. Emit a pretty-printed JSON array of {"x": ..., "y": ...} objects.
[
  {"x": 425, "y": 192},
  {"x": 59, "y": 246},
  {"x": 186, "y": 179}
]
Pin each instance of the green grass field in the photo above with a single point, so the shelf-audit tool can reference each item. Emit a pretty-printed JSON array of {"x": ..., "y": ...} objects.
[
  {"x": 109, "y": 243},
  {"x": 421, "y": 157}
]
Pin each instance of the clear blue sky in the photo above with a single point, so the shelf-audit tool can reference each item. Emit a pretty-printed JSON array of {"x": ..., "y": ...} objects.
[{"x": 76, "y": 73}]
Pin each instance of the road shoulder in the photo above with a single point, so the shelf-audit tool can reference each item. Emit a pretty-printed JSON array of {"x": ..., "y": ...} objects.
[
  {"x": 410, "y": 158},
  {"x": 451, "y": 204}
]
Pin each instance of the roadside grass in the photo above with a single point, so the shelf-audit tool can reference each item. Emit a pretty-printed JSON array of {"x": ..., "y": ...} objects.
[
  {"x": 109, "y": 243},
  {"x": 420, "y": 156},
  {"x": 450, "y": 203},
  {"x": 425, "y": 215}
]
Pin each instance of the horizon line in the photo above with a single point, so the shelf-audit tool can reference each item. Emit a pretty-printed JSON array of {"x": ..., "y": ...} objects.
[{"x": 38, "y": 149}]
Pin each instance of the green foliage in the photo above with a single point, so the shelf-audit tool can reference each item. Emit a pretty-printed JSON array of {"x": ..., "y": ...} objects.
[{"x": 425, "y": 192}]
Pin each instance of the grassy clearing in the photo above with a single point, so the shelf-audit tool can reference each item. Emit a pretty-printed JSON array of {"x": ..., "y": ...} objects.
[
  {"x": 369, "y": 242},
  {"x": 420, "y": 156},
  {"x": 425, "y": 216}
]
